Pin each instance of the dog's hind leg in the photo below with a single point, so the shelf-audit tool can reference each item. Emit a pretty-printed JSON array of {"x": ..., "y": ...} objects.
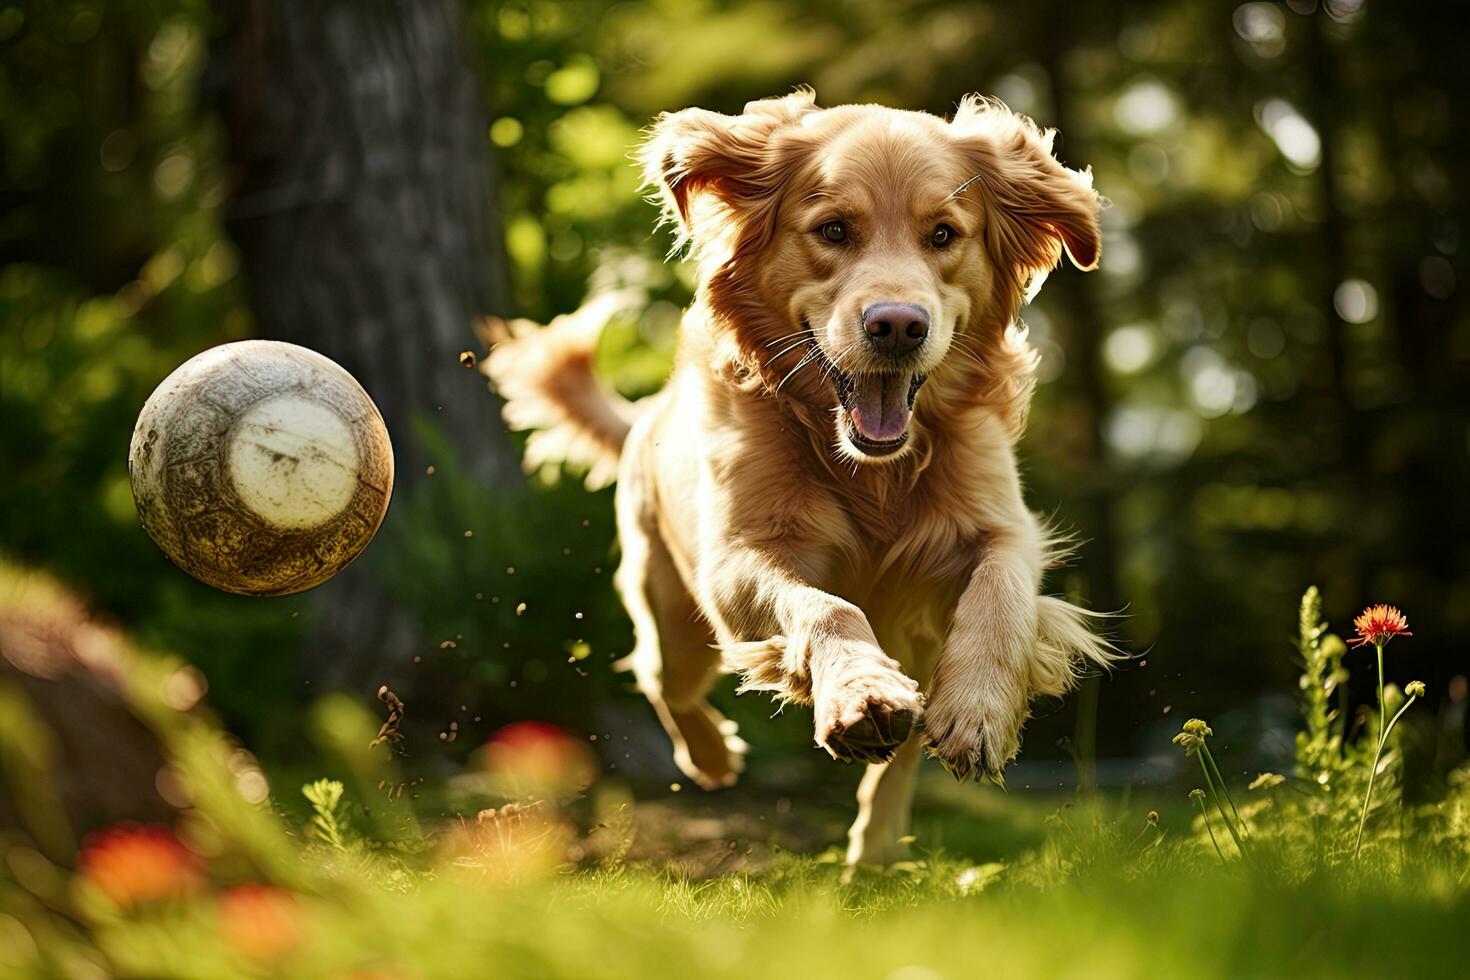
[
  {"x": 673, "y": 658},
  {"x": 885, "y": 799}
]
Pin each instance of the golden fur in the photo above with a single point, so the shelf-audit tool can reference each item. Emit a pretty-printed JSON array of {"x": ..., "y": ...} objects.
[{"x": 758, "y": 535}]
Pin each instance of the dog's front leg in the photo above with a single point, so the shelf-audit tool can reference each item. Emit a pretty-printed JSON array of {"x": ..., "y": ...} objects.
[
  {"x": 785, "y": 635},
  {"x": 977, "y": 699}
]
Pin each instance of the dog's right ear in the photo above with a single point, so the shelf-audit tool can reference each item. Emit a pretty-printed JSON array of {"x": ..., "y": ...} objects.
[{"x": 694, "y": 154}]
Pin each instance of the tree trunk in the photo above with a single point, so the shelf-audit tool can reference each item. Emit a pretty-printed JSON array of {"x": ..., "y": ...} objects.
[
  {"x": 1085, "y": 328},
  {"x": 1352, "y": 428},
  {"x": 361, "y": 206}
]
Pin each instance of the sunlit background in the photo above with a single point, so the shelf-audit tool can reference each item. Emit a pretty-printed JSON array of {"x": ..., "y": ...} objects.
[{"x": 1266, "y": 385}]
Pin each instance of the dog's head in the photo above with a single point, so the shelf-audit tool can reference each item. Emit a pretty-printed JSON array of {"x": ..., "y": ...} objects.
[{"x": 855, "y": 253}]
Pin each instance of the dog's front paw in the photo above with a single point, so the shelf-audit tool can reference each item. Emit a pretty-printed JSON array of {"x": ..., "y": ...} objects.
[
  {"x": 865, "y": 707},
  {"x": 973, "y": 732}
]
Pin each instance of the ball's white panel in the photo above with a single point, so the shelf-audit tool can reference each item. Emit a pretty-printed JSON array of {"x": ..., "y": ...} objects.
[
  {"x": 261, "y": 467},
  {"x": 293, "y": 461}
]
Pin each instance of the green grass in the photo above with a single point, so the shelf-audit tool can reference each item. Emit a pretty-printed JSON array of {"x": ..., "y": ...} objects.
[
  {"x": 312, "y": 884},
  {"x": 1182, "y": 918}
]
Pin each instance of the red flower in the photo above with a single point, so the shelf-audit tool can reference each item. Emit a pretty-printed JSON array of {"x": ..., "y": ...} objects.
[
  {"x": 132, "y": 864},
  {"x": 260, "y": 920},
  {"x": 1378, "y": 625},
  {"x": 535, "y": 759}
]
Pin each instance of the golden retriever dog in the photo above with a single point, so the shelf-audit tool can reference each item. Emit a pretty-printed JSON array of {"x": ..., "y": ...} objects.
[{"x": 824, "y": 497}]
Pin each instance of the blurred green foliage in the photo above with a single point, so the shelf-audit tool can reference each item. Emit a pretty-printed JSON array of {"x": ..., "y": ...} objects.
[
  {"x": 1265, "y": 385},
  {"x": 350, "y": 876}
]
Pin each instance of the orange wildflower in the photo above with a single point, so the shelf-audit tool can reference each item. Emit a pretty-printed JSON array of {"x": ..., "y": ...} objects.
[
  {"x": 1379, "y": 624},
  {"x": 131, "y": 864},
  {"x": 260, "y": 920}
]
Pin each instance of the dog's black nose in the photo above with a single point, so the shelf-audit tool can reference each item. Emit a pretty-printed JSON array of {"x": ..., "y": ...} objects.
[{"x": 896, "y": 328}]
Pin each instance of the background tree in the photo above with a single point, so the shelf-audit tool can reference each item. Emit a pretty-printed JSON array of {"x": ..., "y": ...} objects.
[{"x": 360, "y": 200}]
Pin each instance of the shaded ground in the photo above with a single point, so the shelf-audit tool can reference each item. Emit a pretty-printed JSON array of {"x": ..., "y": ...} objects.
[{"x": 745, "y": 828}]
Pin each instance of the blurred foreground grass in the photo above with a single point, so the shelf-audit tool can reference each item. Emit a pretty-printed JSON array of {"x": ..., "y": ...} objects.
[
  {"x": 794, "y": 920},
  {"x": 360, "y": 914},
  {"x": 528, "y": 864}
]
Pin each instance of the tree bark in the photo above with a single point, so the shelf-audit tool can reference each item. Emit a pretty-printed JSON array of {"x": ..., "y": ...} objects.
[{"x": 360, "y": 200}]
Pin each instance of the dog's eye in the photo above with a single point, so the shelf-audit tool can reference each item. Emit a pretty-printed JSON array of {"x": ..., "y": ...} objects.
[
  {"x": 834, "y": 232},
  {"x": 942, "y": 236}
]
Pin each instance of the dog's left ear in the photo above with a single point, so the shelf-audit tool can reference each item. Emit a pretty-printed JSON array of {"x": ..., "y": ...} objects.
[
  {"x": 695, "y": 154},
  {"x": 1039, "y": 206}
]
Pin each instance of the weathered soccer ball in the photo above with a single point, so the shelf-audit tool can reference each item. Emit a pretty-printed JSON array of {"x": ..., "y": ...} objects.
[{"x": 261, "y": 468}]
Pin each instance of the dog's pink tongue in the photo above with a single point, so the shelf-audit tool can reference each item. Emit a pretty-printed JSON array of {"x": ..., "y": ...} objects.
[{"x": 879, "y": 405}]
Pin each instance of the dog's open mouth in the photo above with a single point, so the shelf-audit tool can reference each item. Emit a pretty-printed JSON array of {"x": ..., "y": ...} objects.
[{"x": 876, "y": 409}]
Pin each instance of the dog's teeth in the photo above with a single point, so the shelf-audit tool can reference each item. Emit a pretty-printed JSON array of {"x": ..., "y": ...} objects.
[{"x": 914, "y": 386}]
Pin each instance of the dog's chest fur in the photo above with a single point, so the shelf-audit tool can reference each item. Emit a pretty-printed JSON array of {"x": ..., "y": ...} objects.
[{"x": 899, "y": 541}]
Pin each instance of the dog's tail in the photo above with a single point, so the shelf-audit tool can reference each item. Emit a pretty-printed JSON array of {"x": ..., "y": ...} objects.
[{"x": 545, "y": 376}]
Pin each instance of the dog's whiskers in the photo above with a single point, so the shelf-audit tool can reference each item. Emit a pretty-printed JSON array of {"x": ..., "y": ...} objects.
[
  {"x": 963, "y": 187},
  {"x": 834, "y": 360},
  {"x": 963, "y": 347},
  {"x": 788, "y": 350},
  {"x": 803, "y": 332},
  {"x": 968, "y": 351},
  {"x": 805, "y": 360}
]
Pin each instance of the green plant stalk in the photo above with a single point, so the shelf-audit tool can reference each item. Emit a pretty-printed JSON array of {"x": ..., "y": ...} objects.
[
  {"x": 1385, "y": 729},
  {"x": 1206, "y": 814},
  {"x": 1382, "y": 710},
  {"x": 1316, "y": 665},
  {"x": 1215, "y": 767},
  {"x": 1377, "y": 754},
  {"x": 1210, "y": 782}
]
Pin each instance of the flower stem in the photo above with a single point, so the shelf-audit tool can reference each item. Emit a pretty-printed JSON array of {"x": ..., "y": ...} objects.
[
  {"x": 1210, "y": 782},
  {"x": 1397, "y": 715},
  {"x": 1210, "y": 758},
  {"x": 1385, "y": 726},
  {"x": 1363, "y": 817},
  {"x": 1382, "y": 708},
  {"x": 1206, "y": 814}
]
